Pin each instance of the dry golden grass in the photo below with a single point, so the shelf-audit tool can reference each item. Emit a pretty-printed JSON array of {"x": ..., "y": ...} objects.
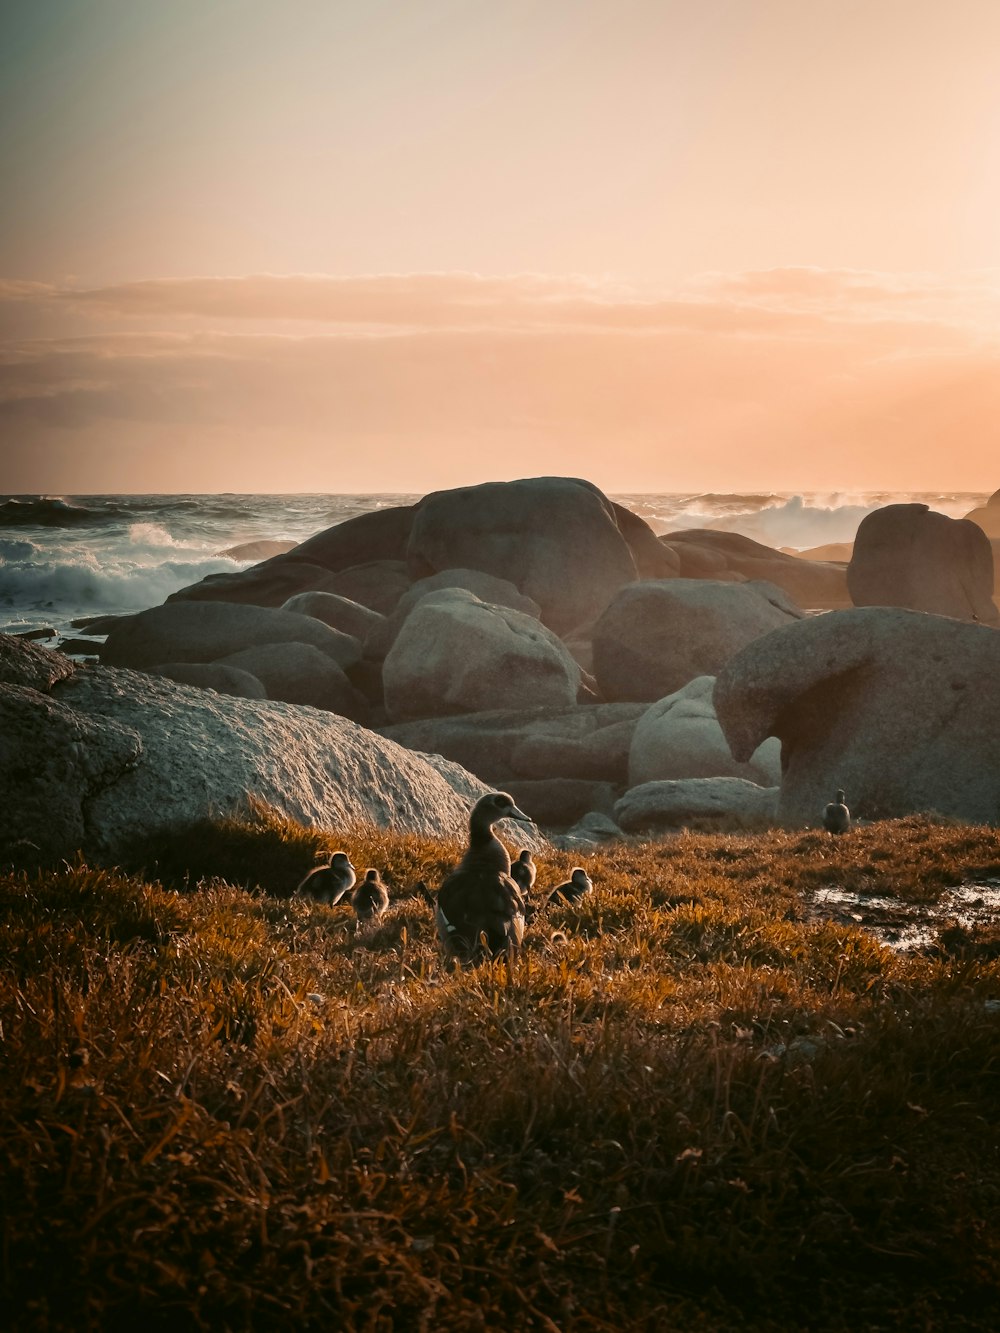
[{"x": 685, "y": 1105}]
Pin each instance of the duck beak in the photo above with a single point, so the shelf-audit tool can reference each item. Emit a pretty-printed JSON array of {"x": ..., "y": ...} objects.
[{"x": 515, "y": 813}]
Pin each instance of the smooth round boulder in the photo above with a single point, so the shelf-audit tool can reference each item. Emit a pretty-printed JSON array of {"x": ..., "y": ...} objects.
[
  {"x": 556, "y": 538},
  {"x": 680, "y": 737},
  {"x": 488, "y": 588},
  {"x": 213, "y": 676},
  {"x": 668, "y": 806},
  {"x": 703, "y": 553},
  {"x": 907, "y": 555},
  {"x": 270, "y": 583},
  {"x": 337, "y": 612},
  {"x": 898, "y": 708},
  {"x": 987, "y": 516},
  {"x": 658, "y": 635},
  {"x": 456, "y": 654},
  {"x": 378, "y": 585},
  {"x": 298, "y": 673},
  {"x": 203, "y": 631}
]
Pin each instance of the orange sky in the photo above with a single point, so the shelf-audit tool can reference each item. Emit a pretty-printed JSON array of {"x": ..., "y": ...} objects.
[{"x": 383, "y": 245}]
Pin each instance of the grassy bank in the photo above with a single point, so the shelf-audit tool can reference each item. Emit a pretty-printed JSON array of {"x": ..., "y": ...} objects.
[{"x": 689, "y": 1104}]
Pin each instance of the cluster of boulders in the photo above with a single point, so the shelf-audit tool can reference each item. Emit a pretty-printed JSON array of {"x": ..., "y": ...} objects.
[{"x": 542, "y": 638}]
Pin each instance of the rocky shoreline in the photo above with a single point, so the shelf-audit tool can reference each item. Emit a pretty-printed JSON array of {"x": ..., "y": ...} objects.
[{"x": 535, "y": 635}]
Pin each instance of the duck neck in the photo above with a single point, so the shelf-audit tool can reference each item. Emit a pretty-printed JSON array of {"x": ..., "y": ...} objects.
[{"x": 485, "y": 848}]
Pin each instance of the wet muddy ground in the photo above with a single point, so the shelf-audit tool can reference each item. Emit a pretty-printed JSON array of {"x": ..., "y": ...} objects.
[{"x": 910, "y": 926}]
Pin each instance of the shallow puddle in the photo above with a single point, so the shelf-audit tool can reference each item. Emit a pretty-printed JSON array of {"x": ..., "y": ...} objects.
[{"x": 908, "y": 925}]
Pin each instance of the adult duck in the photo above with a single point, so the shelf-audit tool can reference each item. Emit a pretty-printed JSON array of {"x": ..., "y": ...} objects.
[{"x": 480, "y": 908}]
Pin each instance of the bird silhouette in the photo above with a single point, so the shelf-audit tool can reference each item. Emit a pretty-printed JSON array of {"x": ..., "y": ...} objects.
[
  {"x": 480, "y": 908},
  {"x": 836, "y": 816}
]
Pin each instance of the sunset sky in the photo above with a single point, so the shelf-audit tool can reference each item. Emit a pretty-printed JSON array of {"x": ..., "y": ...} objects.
[{"x": 351, "y": 245}]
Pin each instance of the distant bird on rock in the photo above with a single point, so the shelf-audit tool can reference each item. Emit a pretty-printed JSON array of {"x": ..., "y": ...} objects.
[
  {"x": 523, "y": 872},
  {"x": 578, "y": 884},
  {"x": 836, "y": 816},
  {"x": 329, "y": 883},
  {"x": 370, "y": 899},
  {"x": 480, "y": 908}
]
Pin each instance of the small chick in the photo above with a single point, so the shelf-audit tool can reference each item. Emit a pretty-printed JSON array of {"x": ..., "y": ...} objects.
[
  {"x": 575, "y": 887},
  {"x": 523, "y": 872},
  {"x": 329, "y": 883},
  {"x": 370, "y": 899},
  {"x": 836, "y": 816}
]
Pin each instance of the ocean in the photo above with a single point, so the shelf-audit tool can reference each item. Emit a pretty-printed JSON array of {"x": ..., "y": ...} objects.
[{"x": 63, "y": 558}]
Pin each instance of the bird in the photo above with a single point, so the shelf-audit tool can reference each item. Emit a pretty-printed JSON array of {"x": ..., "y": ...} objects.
[
  {"x": 329, "y": 883},
  {"x": 371, "y": 898},
  {"x": 479, "y": 906},
  {"x": 523, "y": 872},
  {"x": 575, "y": 887},
  {"x": 836, "y": 816}
]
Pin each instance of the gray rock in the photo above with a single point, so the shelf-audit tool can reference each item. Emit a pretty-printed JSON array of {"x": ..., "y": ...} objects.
[
  {"x": 298, "y": 673},
  {"x": 378, "y": 585},
  {"x": 206, "y": 755},
  {"x": 987, "y": 516},
  {"x": 899, "y": 708},
  {"x": 700, "y": 801},
  {"x": 657, "y": 636},
  {"x": 556, "y": 538},
  {"x": 270, "y": 583},
  {"x": 586, "y": 741},
  {"x": 206, "y": 631},
  {"x": 213, "y": 676},
  {"x": 53, "y": 763},
  {"x": 907, "y": 555},
  {"x": 598, "y": 826},
  {"x": 456, "y": 654},
  {"x": 381, "y": 535},
  {"x": 337, "y": 612},
  {"x": 680, "y": 737},
  {"x": 497, "y": 592},
  {"x": 560, "y": 802},
  {"x": 25, "y": 663},
  {"x": 262, "y": 549},
  {"x": 705, "y": 554}
]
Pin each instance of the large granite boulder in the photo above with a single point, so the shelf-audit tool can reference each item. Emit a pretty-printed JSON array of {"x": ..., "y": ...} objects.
[
  {"x": 907, "y": 555},
  {"x": 987, "y": 516},
  {"x": 588, "y": 742},
  {"x": 702, "y": 802},
  {"x": 206, "y": 631},
  {"x": 118, "y": 756},
  {"x": 298, "y": 673},
  {"x": 487, "y": 587},
  {"x": 653, "y": 559},
  {"x": 556, "y": 538},
  {"x": 705, "y": 554},
  {"x": 261, "y": 549},
  {"x": 214, "y": 676},
  {"x": 380, "y": 535},
  {"x": 899, "y": 708},
  {"x": 680, "y": 737},
  {"x": 456, "y": 654},
  {"x": 658, "y": 635},
  {"x": 270, "y": 583},
  {"x": 337, "y": 612},
  {"x": 379, "y": 584},
  {"x": 54, "y": 761}
]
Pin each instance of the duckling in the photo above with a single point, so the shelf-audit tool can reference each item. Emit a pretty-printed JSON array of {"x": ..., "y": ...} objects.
[
  {"x": 575, "y": 887},
  {"x": 836, "y": 816},
  {"x": 329, "y": 883},
  {"x": 479, "y": 901},
  {"x": 523, "y": 872},
  {"x": 371, "y": 898}
]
